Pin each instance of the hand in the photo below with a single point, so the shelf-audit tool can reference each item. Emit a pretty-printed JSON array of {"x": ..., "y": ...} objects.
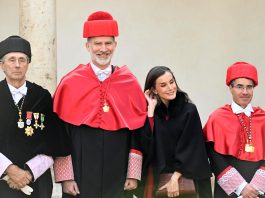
[
  {"x": 130, "y": 184},
  {"x": 151, "y": 100},
  {"x": 26, "y": 189},
  {"x": 172, "y": 186},
  {"x": 12, "y": 184},
  {"x": 249, "y": 192},
  {"x": 70, "y": 187},
  {"x": 18, "y": 177}
]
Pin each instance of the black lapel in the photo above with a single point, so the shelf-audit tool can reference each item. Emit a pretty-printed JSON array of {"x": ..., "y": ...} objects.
[
  {"x": 7, "y": 105},
  {"x": 33, "y": 98}
]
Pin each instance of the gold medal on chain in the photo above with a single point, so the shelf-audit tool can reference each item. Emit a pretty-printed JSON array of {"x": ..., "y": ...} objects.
[
  {"x": 105, "y": 107},
  {"x": 20, "y": 122},
  {"x": 249, "y": 147}
]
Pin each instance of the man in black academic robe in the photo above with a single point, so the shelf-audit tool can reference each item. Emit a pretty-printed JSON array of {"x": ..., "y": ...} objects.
[{"x": 28, "y": 127}]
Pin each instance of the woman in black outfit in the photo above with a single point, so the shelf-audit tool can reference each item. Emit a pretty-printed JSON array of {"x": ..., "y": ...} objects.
[{"x": 175, "y": 138}]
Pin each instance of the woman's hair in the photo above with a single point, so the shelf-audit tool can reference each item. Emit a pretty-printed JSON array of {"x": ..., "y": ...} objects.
[{"x": 155, "y": 73}]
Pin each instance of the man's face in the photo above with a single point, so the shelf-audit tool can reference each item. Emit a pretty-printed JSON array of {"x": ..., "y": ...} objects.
[
  {"x": 15, "y": 66},
  {"x": 242, "y": 91},
  {"x": 101, "y": 50}
]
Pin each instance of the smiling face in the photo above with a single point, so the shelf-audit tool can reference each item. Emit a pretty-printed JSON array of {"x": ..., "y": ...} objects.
[
  {"x": 242, "y": 91},
  {"x": 101, "y": 50},
  {"x": 15, "y": 66},
  {"x": 166, "y": 87}
]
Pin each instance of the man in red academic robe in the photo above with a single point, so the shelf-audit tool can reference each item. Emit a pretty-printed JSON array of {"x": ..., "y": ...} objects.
[
  {"x": 104, "y": 109},
  {"x": 235, "y": 136}
]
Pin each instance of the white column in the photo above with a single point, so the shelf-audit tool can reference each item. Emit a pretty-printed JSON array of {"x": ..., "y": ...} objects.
[{"x": 37, "y": 24}]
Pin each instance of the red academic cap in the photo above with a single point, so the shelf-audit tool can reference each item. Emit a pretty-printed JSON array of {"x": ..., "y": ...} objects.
[
  {"x": 241, "y": 70},
  {"x": 100, "y": 24}
]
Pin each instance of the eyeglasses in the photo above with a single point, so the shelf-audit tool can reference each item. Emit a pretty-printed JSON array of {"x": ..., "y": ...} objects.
[{"x": 242, "y": 87}]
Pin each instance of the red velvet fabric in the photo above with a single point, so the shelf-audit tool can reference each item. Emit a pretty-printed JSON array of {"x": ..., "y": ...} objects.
[
  {"x": 224, "y": 129},
  {"x": 241, "y": 70},
  {"x": 80, "y": 97},
  {"x": 100, "y": 24}
]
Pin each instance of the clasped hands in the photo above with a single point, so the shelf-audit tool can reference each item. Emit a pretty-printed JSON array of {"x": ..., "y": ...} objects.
[
  {"x": 18, "y": 179},
  {"x": 249, "y": 192}
]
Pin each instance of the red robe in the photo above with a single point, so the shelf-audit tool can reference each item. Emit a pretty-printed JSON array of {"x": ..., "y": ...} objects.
[
  {"x": 101, "y": 141},
  {"x": 76, "y": 104},
  {"x": 224, "y": 129}
]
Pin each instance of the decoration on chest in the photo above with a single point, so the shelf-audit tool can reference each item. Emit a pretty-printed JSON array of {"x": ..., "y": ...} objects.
[
  {"x": 105, "y": 107},
  {"x": 30, "y": 126},
  {"x": 249, "y": 147}
]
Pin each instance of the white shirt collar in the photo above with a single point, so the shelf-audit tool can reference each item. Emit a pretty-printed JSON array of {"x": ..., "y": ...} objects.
[
  {"x": 238, "y": 109},
  {"x": 101, "y": 74},
  {"x": 18, "y": 93}
]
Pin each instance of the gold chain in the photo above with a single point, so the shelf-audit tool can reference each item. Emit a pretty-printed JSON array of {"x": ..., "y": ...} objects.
[
  {"x": 20, "y": 108},
  {"x": 249, "y": 132}
]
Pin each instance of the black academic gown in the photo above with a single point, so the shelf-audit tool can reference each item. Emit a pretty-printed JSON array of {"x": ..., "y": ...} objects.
[
  {"x": 178, "y": 145},
  {"x": 20, "y": 148},
  {"x": 100, "y": 160},
  {"x": 220, "y": 162}
]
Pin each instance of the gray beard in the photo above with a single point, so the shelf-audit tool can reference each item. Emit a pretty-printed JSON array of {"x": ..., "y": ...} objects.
[{"x": 103, "y": 61}]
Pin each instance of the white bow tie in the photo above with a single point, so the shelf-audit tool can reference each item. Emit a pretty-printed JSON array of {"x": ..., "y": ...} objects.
[
  {"x": 22, "y": 90},
  {"x": 17, "y": 94},
  {"x": 245, "y": 111},
  {"x": 102, "y": 75},
  {"x": 100, "y": 72}
]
